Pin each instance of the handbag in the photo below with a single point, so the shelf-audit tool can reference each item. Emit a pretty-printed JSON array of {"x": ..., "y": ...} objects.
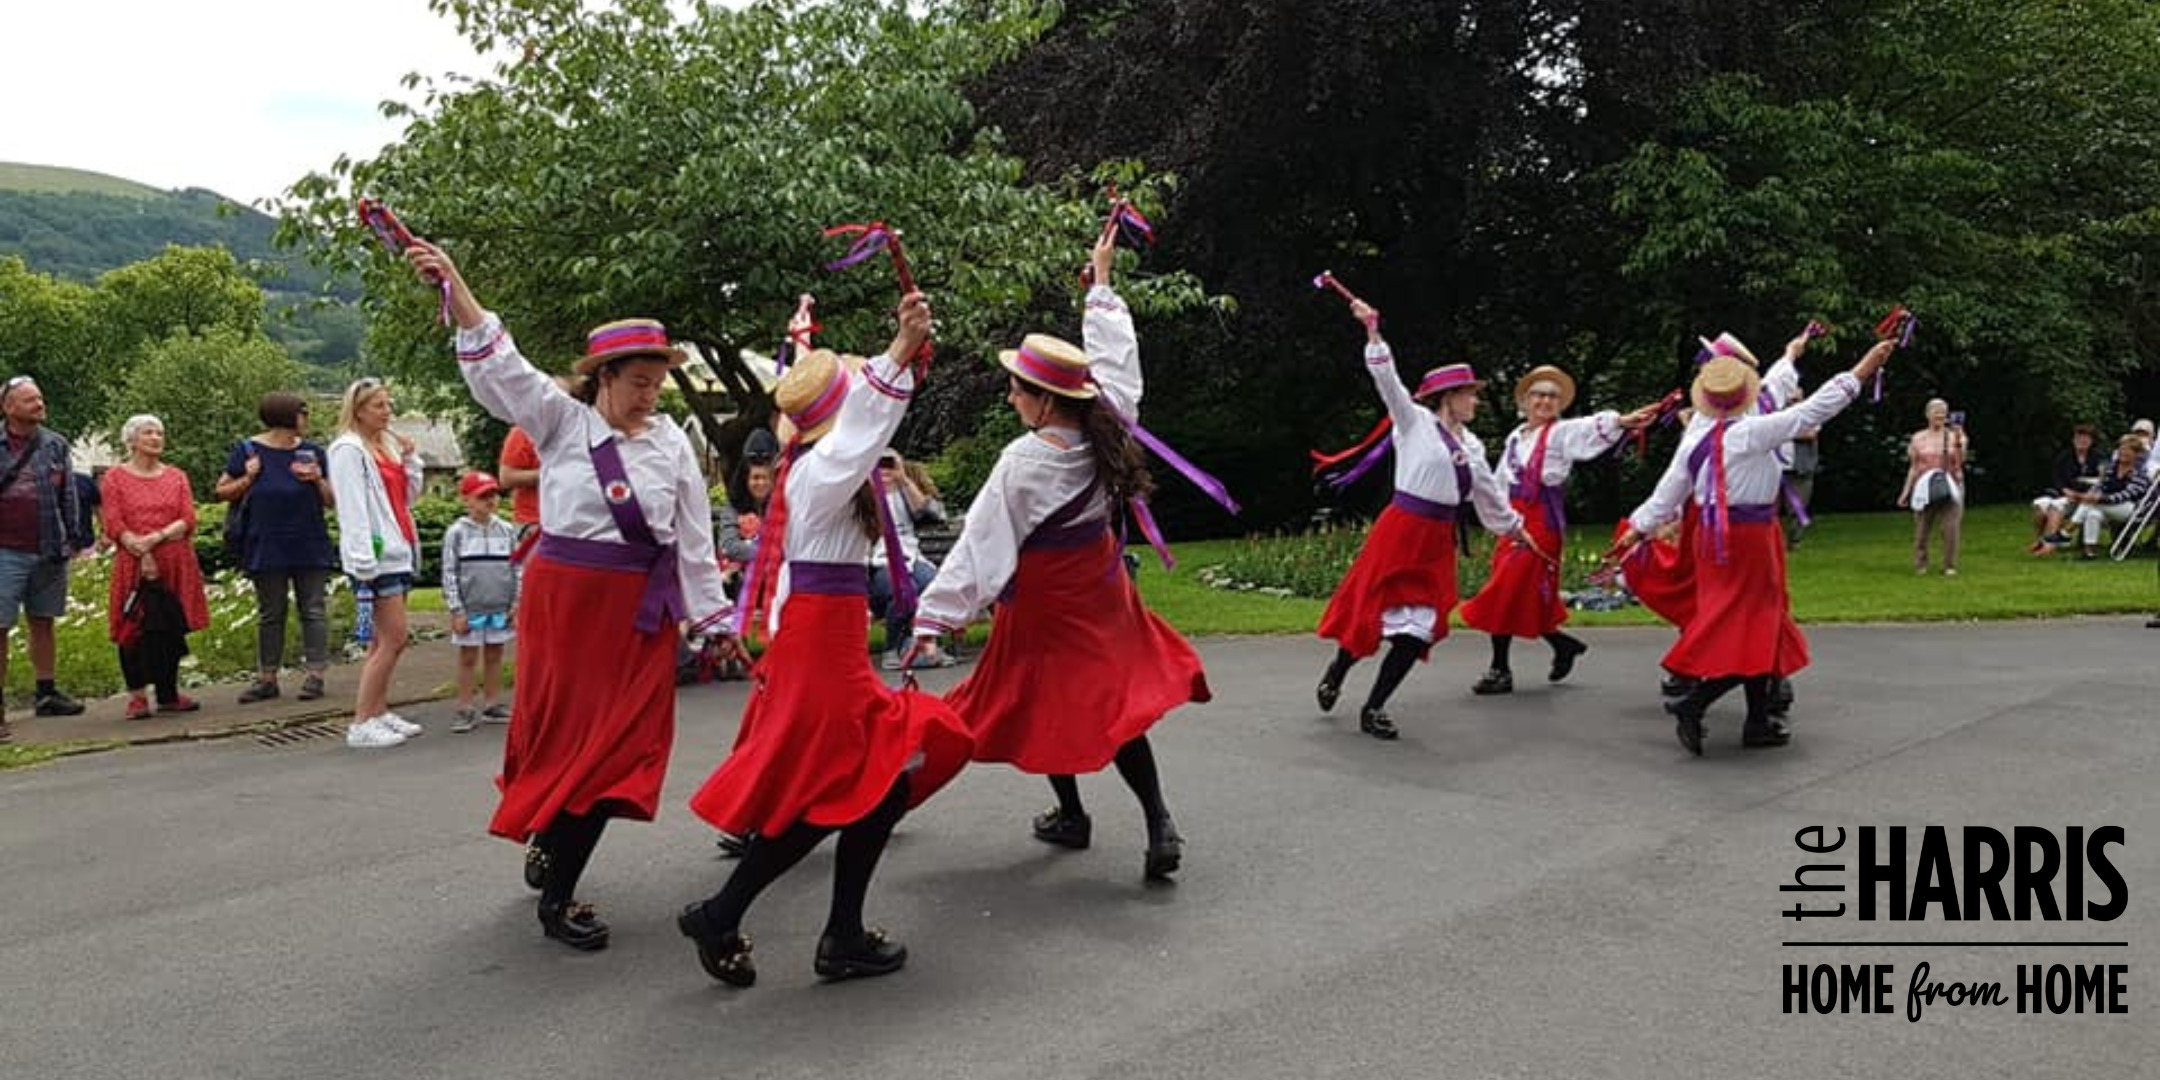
[
  {"x": 130, "y": 631},
  {"x": 1938, "y": 482}
]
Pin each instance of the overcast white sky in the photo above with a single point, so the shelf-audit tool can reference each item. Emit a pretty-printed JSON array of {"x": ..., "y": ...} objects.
[{"x": 239, "y": 96}]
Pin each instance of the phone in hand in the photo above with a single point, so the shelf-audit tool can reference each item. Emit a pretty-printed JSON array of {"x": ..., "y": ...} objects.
[{"x": 1957, "y": 419}]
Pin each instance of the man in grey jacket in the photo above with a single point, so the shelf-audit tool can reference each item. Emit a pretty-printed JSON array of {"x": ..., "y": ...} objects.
[{"x": 40, "y": 530}]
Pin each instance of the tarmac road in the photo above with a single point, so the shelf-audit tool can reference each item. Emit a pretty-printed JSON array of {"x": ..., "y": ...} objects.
[{"x": 1543, "y": 885}]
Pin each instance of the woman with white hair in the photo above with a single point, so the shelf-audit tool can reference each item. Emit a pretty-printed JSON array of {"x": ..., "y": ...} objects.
[
  {"x": 157, "y": 590},
  {"x": 1935, "y": 484}
]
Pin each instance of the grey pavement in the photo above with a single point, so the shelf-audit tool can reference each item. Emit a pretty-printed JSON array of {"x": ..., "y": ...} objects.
[{"x": 1544, "y": 885}]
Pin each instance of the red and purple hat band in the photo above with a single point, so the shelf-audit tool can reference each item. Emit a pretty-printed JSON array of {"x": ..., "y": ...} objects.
[
  {"x": 1048, "y": 371},
  {"x": 822, "y": 407},
  {"x": 1442, "y": 379}
]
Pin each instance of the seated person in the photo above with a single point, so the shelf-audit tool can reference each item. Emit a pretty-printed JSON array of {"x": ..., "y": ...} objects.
[
  {"x": 735, "y": 526},
  {"x": 2076, "y": 469},
  {"x": 910, "y": 500},
  {"x": 2120, "y": 490}
]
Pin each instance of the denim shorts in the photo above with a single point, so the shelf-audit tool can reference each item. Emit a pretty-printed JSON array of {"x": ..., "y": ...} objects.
[
  {"x": 386, "y": 584},
  {"x": 31, "y": 582}
]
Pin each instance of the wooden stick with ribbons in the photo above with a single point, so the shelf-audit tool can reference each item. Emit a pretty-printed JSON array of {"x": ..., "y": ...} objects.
[
  {"x": 799, "y": 330},
  {"x": 1342, "y": 468},
  {"x": 1125, "y": 223},
  {"x": 871, "y": 238},
  {"x": 1898, "y": 325},
  {"x": 395, "y": 236}
]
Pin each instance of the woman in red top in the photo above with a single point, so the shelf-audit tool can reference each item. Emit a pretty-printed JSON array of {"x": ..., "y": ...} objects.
[{"x": 157, "y": 590}]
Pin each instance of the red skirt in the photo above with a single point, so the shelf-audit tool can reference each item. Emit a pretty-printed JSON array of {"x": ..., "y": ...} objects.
[
  {"x": 1407, "y": 561},
  {"x": 595, "y": 701},
  {"x": 822, "y": 739},
  {"x": 1076, "y": 666},
  {"x": 1742, "y": 623},
  {"x": 1662, "y": 575},
  {"x": 1522, "y": 597}
]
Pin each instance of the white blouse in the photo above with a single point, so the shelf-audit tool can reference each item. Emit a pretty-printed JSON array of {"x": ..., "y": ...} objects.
[
  {"x": 663, "y": 470},
  {"x": 1423, "y": 465},
  {"x": 1580, "y": 439},
  {"x": 1033, "y": 479},
  {"x": 822, "y": 480},
  {"x": 1752, "y": 472}
]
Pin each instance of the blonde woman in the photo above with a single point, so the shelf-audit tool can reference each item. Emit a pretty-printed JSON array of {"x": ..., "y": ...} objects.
[{"x": 376, "y": 475}]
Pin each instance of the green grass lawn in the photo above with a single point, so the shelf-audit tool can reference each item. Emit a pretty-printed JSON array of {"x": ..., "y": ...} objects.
[{"x": 1851, "y": 568}]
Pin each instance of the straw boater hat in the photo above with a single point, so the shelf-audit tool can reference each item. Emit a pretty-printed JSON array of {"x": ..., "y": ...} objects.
[
  {"x": 628, "y": 337},
  {"x": 1053, "y": 364},
  {"x": 1724, "y": 388},
  {"x": 810, "y": 393},
  {"x": 1728, "y": 345},
  {"x": 1440, "y": 380},
  {"x": 1551, "y": 374}
]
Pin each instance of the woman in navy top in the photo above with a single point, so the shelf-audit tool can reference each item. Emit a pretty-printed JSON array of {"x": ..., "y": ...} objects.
[{"x": 285, "y": 544}]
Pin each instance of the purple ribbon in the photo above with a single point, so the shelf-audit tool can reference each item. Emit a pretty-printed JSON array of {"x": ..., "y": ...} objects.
[
  {"x": 897, "y": 567},
  {"x": 1793, "y": 503},
  {"x": 867, "y": 246},
  {"x": 1199, "y": 477},
  {"x": 1146, "y": 518},
  {"x": 1364, "y": 465}
]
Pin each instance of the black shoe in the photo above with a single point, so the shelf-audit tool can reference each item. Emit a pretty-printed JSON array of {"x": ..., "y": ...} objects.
[
  {"x": 1563, "y": 659},
  {"x": 261, "y": 691},
  {"x": 731, "y": 845},
  {"x": 1375, "y": 722},
  {"x": 574, "y": 924},
  {"x": 1771, "y": 732},
  {"x": 874, "y": 955},
  {"x": 1781, "y": 698},
  {"x": 58, "y": 704},
  {"x": 1495, "y": 681},
  {"x": 536, "y": 867},
  {"x": 1055, "y": 826},
  {"x": 2153, "y": 623},
  {"x": 1690, "y": 726},
  {"x": 1164, "y": 852},
  {"x": 724, "y": 956},
  {"x": 1674, "y": 686},
  {"x": 1327, "y": 693}
]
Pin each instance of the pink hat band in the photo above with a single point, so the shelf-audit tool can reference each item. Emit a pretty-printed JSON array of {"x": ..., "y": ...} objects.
[
  {"x": 1048, "y": 372},
  {"x": 1442, "y": 379},
  {"x": 630, "y": 334},
  {"x": 822, "y": 407}
]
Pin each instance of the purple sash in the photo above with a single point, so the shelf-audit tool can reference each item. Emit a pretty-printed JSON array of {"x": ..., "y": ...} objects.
[
  {"x": 1752, "y": 513},
  {"x": 897, "y": 567},
  {"x": 1424, "y": 508},
  {"x": 828, "y": 579},
  {"x": 1530, "y": 485},
  {"x": 663, "y": 585},
  {"x": 663, "y": 601}
]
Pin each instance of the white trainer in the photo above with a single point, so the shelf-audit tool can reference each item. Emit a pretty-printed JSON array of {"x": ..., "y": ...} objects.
[
  {"x": 371, "y": 734},
  {"x": 405, "y": 728}
]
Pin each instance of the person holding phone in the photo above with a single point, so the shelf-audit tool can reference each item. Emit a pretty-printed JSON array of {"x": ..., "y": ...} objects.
[
  {"x": 275, "y": 485},
  {"x": 1935, "y": 484}
]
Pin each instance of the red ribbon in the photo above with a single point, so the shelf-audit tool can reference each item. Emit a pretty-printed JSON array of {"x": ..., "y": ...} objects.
[
  {"x": 395, "y": 236},
  {"x": 869, "y": 236}
]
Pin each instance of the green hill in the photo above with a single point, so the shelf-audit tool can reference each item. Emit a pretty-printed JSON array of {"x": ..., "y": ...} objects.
[
  {"x": 75, "y": 224},
  {"x": 15, "y": 176}
]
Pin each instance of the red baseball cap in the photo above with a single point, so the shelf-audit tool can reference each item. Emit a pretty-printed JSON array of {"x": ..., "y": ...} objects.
[{"x": 477, "y": 483}]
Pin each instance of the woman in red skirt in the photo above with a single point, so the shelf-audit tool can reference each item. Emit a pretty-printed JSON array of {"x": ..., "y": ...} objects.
[
  {"x": 1741, "y": 632},
  {"x": 625, "y": 554},
  {"x": 1077, "y": 669},
  {"x": 1401, "y": 587},
  {"x": 823, "y": 746},
  {"x": 1522, "y": 597}
]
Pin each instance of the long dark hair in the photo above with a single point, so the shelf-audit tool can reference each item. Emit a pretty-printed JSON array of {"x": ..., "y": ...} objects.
[{"x": 1119, "y": 464}]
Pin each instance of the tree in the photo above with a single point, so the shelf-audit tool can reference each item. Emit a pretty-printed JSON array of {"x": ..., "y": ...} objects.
[
  {"x": 191, "y": 290},
  {"x": 45, "y": 333},
  {"x": 206, "y": 388},
  {"x": 634, "y": 163}
]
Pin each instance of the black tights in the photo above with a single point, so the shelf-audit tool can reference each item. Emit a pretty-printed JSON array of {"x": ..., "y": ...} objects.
[
  {"x": 855, "y": 859},
  {"x": 1136, "y": 763},
  {"x": 1403, "y": 651},
  {"x": 1501, "y": 643},
  {"x": 1756, "y": 687},
  {"x": 569, "y": 841}
]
